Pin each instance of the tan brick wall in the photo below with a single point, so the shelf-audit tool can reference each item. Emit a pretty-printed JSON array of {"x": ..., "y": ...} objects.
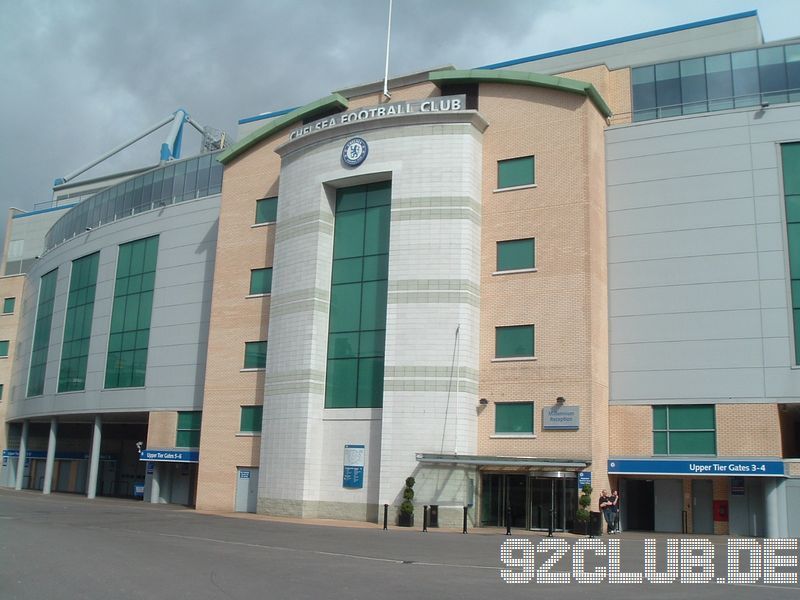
[
  {"x": 162, "y": 429},
  {"x": 793, "y": 468},
  {"x": 630, "y": 430},
  {"x": 613, "y": 86},
  {"x": 566, "y": 298},
  {"x": 748, "y": 430},
  {"x": 10, "y": 287},
  {"x": 236, "y": 319}
]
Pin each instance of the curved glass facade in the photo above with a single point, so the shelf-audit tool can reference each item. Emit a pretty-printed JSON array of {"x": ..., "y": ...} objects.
[
  {"x": 747, "y": 78},
  {"x": 174, "y": 182}
]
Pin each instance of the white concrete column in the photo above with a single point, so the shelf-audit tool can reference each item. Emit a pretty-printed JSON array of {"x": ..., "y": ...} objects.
[
  {"x": 94, "y": 458},
  {"x": 23, "y": 451},
  {"x": 155, "y": 484},
  {"x": 51, "y": 456}
]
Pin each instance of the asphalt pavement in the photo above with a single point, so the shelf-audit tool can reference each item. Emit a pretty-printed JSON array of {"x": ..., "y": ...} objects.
[{"x": 65, "y": 546}]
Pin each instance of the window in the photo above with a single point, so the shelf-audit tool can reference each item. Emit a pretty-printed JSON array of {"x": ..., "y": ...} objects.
[
  {"x": 255, "y": 355},
  {"x": 8, "y": 305},
  {"x": 689, "y": 429},
  {"x": 515, "y": 255},
  {"x": 514, "y": 342},
  {"x": 790, "y": 155},
  {"x": 718, "y": 82},
  {"x": 130, "y": 314},
  {"x": 4, "y": 348},
  {"x": 693, "y": 86},
  {"x": 643, "y": 81},
  {"x": 745, "y": 78},
  {"x": 516, "y": 417},
  {"x": 357, "y": 324},
  {"x": 1, "y": 392},
  {"x": 188, "y": 433},
  {"x": 251, "y": 419},
  {"x": 266, "y": 210},
  {"x": 260, "y": 281},
  {"x": 41, "y": 333},
  {"x": 515, "y": 172},
  {"x": 668, "y": 89},
  {"x": 78, "y": 324}
]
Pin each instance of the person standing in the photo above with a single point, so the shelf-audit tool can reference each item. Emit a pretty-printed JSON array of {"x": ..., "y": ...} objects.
[
  {"x": 606, "y": 503},
  {"x": 614, "y": 508}
]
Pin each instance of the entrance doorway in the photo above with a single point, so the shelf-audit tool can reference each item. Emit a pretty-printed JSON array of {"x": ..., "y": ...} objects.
[
  {"x": 499, "y": 492},
  {"x": 639, "y": 498},
  {"x": 533, "y": 500},
  {"x": 553, "y": 502}
]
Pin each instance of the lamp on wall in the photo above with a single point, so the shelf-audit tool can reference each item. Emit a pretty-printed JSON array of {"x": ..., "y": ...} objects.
[
  {"x": 560, "y": 400},
  {"x": 483, "y": 401}
]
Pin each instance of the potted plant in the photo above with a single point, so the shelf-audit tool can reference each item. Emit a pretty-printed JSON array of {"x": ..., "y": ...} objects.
[
  {"x": 582, "y": 514},
  {"x": 406, "y": 516}
]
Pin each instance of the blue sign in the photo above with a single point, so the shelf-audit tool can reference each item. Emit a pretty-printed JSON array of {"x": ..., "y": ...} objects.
[
  {"x": 138, "y": 490},
  {"x": 244, "y": 474},
  {"x": 353, "y": 476},
  {"x": 150, "y": 467},
  {"x": 584, "y": 478},
  {"x": 737, "y": 486},
  {"x": 58, "y": 456},
  {"x": 179, "y": 456},
  {"x": 707, "y": 467},
  {"x": 355, "y": 152}
]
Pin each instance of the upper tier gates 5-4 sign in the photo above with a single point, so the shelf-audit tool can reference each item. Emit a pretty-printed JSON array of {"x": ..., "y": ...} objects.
[{"x": 428, "y": 105}]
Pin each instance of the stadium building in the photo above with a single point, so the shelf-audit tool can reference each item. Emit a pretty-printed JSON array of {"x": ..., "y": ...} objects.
[{"x": 506, "y": 282}]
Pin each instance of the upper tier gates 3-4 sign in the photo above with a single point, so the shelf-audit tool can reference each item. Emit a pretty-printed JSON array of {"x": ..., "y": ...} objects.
[{"x": 428, "y": 105}]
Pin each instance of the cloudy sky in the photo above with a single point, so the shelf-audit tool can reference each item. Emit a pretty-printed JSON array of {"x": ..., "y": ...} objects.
[{"x": 81, "y": 76}]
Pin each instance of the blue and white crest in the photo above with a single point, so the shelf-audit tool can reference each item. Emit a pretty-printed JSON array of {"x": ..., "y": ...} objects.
[{"x": 355, "y": 152}]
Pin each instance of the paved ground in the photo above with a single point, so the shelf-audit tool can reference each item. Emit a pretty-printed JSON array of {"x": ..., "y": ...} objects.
[{"x": 68, "y": 547}]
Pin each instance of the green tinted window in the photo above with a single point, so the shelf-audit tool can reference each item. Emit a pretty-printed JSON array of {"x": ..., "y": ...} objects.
[
  {"x": 514, "y": 417},
  {"x": 659, "y": 417},
  {"x": 251, "y": 418},
  {"x": 516, "y": 254},
  {"x": 514, "y": 342},
  {"x": 266, "y": 210},
  {"x": 8, "y": 305},
  {"x": 689, "y": 429},
  {"x": 357, "y": 323},
  {"x": 260, "y": 281},
  {"x": 188, "y": 430},
  {"x": 41, "y": 333},
  {"x": 130, "y": 314},
  {"x": 4, "y": 348},
  {"x": 78, "y": 324},
  {"x": 790, "y": 154},
  {"x": 515, "y": 172},
  {"x": 255, "y": 355},
  {"x": 1, "y": 391}
]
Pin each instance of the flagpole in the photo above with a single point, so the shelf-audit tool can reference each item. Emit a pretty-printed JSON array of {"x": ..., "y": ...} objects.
[{"x": 386, "y": 70}]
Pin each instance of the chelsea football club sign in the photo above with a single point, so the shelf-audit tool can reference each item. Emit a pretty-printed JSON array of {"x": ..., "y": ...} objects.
[{"x": 355, "y": 152}]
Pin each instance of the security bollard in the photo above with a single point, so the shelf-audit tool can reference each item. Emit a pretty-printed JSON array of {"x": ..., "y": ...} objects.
[
  {"x": 550, "y": 526},
  {"x": 385, "y": 516},
  {"x": 425, "y": 518},
  {"x": 465, "y": 520},
  {"x": 508, "y": 520}
]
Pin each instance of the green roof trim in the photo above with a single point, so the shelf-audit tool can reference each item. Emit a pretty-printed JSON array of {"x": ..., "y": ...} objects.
[
  {"x": 334, "y": 101},
  {"x": 572, "y": 86}
]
